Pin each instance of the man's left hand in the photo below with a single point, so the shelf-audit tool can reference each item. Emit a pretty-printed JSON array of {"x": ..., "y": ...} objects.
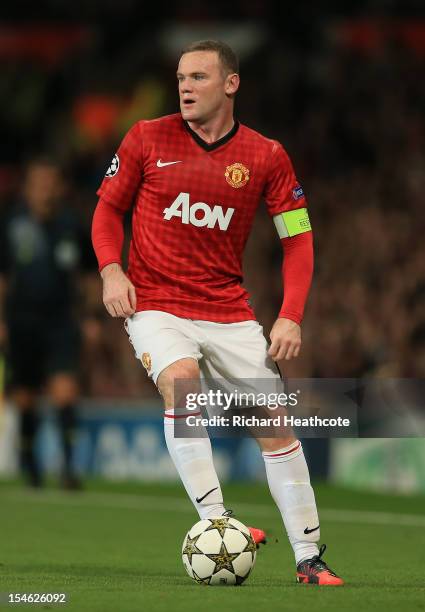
[{"x": 286, "y": 340}]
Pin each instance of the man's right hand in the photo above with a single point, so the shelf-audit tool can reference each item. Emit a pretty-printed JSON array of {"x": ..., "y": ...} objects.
[{"x": 119, "y": 294}]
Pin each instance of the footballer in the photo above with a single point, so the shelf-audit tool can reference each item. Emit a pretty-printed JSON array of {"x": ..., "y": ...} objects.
[{"x": 194, "y": 180}]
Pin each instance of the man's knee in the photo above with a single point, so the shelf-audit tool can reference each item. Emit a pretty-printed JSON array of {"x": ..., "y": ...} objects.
[{"x": 178, "y": 379}]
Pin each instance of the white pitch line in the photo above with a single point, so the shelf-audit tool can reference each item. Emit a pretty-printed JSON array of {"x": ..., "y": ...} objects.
[
  {"x": 372, "y": 518},
  {"x": 167, "y": 504}
]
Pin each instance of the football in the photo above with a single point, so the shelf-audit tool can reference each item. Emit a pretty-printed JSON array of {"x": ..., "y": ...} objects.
[{"x": 219, "y": 551}]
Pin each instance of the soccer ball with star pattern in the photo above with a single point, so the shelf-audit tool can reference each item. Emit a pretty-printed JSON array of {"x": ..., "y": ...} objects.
[{"x": 219, "y": 551}]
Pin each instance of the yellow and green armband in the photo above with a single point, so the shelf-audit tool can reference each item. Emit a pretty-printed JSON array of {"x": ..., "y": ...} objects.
[{"x": 292, "y": 222}]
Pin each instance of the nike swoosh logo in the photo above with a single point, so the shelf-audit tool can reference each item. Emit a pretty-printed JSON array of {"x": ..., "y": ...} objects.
[
  {"x": 307, "y": 530},
  {"x": 161, "y": 164},
  {"x": 199, "y": 499}
]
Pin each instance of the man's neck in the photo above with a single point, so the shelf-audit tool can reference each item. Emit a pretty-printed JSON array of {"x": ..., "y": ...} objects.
[{"x": 213, "y": 130}]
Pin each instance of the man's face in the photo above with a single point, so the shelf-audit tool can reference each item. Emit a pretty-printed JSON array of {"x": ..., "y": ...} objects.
[
  {"x": 203, "y": 86},
  {"x": 43, "y": 187}
]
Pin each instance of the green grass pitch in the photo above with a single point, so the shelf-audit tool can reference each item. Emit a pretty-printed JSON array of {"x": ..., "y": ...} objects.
[{"x": 117, "y": 548}]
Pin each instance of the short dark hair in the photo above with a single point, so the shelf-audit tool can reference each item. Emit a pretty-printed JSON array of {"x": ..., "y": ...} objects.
[
  {"x": 42, "y": 160},
  {"x": 228, "y": 58}
]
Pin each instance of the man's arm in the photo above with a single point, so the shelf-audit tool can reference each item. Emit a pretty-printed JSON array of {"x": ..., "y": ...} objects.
[
  {"x": 117, "y": 192},
  {"x": 297, "y": 272},
  {"x": 286, "y": 203},
  {"x": 119, "y": 294}
]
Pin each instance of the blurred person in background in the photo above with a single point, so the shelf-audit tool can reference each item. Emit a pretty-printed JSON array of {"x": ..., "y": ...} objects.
[{"x": 42, "y": 248}]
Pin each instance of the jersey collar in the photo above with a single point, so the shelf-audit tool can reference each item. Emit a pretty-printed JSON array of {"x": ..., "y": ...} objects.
[{"x": 211, "y": 146}]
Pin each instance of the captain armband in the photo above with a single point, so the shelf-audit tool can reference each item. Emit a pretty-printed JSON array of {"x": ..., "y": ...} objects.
[{"x": 292, "y": 222}]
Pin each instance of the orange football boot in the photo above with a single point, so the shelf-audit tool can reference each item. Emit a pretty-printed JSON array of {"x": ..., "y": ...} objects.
[
  {"x": 258, "y": 535},
  {"x": 315, "y": 571}
]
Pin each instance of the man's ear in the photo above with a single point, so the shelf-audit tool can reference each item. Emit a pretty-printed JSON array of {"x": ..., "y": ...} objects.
[{"x": 232, "y": 84}]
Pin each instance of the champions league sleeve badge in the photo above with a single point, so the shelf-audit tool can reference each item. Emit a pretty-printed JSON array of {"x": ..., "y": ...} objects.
[{"x": 114, "y": 167}]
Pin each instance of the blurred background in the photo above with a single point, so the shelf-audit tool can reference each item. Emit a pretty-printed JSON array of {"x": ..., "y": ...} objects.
[{"x": 344, "y": 91}]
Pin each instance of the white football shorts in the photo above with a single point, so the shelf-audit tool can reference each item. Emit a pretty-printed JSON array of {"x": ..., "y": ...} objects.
[{"x": 222, "y": 350}]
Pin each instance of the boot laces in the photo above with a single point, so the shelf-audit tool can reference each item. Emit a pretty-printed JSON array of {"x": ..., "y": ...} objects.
[{"x": 317, "y": 564}]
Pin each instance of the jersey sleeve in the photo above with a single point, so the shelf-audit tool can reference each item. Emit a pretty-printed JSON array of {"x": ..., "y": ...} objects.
[
  {"x": 123, "y": 177},
  {"x": 284, "y": 196},
  {"x": 297, "y": 273}
]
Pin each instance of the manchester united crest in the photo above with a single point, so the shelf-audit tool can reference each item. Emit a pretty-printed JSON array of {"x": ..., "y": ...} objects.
[
  {"x": 237, "y": 175},
  {"x": 146, "y": 361}
]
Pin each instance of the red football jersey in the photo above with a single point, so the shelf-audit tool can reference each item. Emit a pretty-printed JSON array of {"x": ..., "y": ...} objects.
[{"x": 194, "y": 205}]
